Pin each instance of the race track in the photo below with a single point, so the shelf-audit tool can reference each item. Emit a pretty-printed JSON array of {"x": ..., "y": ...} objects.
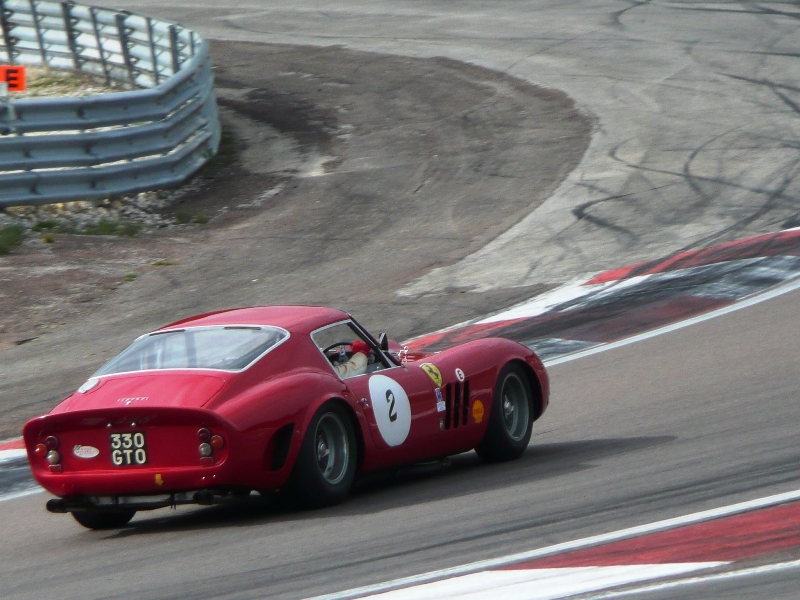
[
  {"x": 699, "y": 418},
  {"x": 695, "y": 142}
]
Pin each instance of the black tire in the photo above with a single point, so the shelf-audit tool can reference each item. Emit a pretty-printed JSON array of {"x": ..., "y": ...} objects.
[
  {"x": 326, "y": 464},
  {"x": 104, "y": 519},
  {"x": 511, "y": 419}
]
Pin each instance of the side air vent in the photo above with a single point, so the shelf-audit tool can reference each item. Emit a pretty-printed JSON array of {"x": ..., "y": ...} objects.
[
  {"x": 280, "y": 447},
  {"x": 456, "y": 402}
]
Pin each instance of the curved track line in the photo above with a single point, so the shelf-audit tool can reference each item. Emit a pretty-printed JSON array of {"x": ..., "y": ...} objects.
[
  {"x": 773, "y": 568},
  {"x": 751, "y": 301},
  {"x": 595, "y": 540}
]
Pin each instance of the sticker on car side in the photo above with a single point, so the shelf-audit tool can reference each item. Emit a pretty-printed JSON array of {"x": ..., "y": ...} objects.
[
  {"x": 477, "y": 411},
  {"x": 391, "y": 408},
  {"x": 440, "y": 405}
]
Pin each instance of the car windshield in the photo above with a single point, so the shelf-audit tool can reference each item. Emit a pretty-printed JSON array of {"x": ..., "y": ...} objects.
[{"x": 228, "y": 348}]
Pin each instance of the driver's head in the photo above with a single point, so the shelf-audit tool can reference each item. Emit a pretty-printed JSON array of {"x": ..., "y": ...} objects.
[{"x": 362, "y": 347}]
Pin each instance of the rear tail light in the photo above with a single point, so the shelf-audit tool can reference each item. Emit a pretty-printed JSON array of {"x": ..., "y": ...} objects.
[
  {"x": 208, "y": 445},
  {"x": 51, "y": 442},
  {"x": 53, "y": 457},
  {"x": 40, "y": 450}
]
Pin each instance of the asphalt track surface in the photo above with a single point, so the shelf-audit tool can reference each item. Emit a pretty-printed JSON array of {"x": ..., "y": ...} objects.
[{"x": 694, "y": 419}]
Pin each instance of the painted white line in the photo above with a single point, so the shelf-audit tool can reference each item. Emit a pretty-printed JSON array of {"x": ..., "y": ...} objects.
[
  {"x": 9, "y": 455},
  {"x": 540, "y": 584},
  {"x": 15, "y": 495},
  {"x": 595, "y": 540},
  {"x": 793, "y": 285},
  {"x": 543, "y": 303},
  {"x": 794, "y": 564}
]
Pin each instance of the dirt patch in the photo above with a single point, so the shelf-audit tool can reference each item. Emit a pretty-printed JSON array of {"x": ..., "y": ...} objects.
[{"x": 344, "y": 176}]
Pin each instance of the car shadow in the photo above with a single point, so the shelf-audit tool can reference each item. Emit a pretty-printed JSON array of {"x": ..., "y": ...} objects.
[
  {"x": 400, "y": 488},
  {"x": 467, "y": 473}
]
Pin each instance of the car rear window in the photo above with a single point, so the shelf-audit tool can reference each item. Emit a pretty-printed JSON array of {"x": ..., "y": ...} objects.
[{"x": 229, "y": 348}]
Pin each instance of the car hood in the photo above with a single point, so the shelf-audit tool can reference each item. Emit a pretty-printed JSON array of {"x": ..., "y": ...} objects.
[{"x": 150, "y": 389}]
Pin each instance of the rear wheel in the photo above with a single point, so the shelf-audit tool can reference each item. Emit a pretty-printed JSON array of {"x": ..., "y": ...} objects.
[
  {"x": 326, "y": 465},
  {"x": 104, "y": 519},
  {"x": 511, "y": 419}
]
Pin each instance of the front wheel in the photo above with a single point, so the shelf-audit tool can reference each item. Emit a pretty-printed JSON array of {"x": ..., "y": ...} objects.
[
  {"x": 326, "y": 464},
  {"x": 104, "y": 519},
  {"x": 511, "y": 419}
]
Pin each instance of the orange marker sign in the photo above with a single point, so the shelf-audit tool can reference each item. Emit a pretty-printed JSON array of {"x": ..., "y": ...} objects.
[{"x": 14, "y": 76}]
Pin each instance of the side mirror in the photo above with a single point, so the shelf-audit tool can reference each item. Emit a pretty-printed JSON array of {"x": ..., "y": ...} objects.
[{"x": 383, "y": 342}]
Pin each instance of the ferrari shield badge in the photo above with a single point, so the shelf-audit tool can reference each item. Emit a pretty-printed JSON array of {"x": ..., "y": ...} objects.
[{"x": 433, "y": 373}]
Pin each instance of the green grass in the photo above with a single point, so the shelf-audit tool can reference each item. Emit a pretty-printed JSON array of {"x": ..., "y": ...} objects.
[
  {"x": 102, "y": 227},
  {"x": 10, "y": 236},
  {"x": 49, "y": 238},
  {"x": 128, "y": 229},
  {"x": 163, "y": 263},
  {"x": 64, "y": 79},
  {"x": 130, "y": 277},
  {"x": 183, "y": 217},
  {"x": 45, "y": 226}
]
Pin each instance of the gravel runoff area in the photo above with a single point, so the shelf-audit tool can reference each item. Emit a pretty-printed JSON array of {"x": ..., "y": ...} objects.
[{"x": 342, "y": 176}]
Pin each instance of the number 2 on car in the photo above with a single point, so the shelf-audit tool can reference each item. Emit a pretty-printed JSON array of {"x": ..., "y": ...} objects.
[{"x": 128, "y": 449}]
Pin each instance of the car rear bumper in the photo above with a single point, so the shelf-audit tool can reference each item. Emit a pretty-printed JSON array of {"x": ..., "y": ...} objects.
[{"x": 133, "y": 482}]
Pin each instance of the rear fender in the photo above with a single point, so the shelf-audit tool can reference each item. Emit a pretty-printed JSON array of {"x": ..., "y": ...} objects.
[{"x": 357, "y": 418}]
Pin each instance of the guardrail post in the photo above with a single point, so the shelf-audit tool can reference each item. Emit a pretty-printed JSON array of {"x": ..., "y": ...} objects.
[
  {"x": 175, "y": 47},
  {"x": 93, "y": 11},
  {"x": 72, "y": 38},
  {"x": 11, "y": 113},
  {"x": 126, "y": 48},
  {"x": 6, "y": 26},
  {"x": 37, "y": 24},
  {"x": 153, "y": 55}
]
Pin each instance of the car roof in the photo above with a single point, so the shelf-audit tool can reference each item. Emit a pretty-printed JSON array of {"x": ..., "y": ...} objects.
[{"x": 295, "y": 319}]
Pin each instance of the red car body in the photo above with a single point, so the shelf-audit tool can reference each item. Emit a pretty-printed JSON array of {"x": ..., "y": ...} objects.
[{"x": 263, "y": 411}]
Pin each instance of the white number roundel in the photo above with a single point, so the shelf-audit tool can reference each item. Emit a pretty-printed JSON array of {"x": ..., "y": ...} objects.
[{"x": 391, "y": 407}]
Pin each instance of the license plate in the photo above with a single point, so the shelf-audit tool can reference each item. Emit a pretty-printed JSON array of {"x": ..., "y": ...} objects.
[{"x": 128, "y": 449}]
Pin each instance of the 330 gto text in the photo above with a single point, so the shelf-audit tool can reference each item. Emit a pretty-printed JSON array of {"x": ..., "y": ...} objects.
[{"x": 128, "y": 449}]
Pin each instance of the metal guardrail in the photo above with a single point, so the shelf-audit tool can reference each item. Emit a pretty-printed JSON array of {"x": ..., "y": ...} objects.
[{"x": 93, "y": 147}]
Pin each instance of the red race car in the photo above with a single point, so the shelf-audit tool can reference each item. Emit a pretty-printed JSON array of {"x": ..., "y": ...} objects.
[{"x": 207, "y": 409}]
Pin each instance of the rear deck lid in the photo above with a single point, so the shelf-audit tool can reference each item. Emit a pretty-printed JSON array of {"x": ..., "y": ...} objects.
[{"x": 173, "y": 389}]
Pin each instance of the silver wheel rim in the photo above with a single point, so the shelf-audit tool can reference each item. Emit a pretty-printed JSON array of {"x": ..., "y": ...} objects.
[
  {"x": 515, "y": 407},
  {"x": 331, "y": 446}
]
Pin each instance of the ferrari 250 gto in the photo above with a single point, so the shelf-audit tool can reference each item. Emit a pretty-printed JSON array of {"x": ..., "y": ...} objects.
[{"x": 303, "y": 399}]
